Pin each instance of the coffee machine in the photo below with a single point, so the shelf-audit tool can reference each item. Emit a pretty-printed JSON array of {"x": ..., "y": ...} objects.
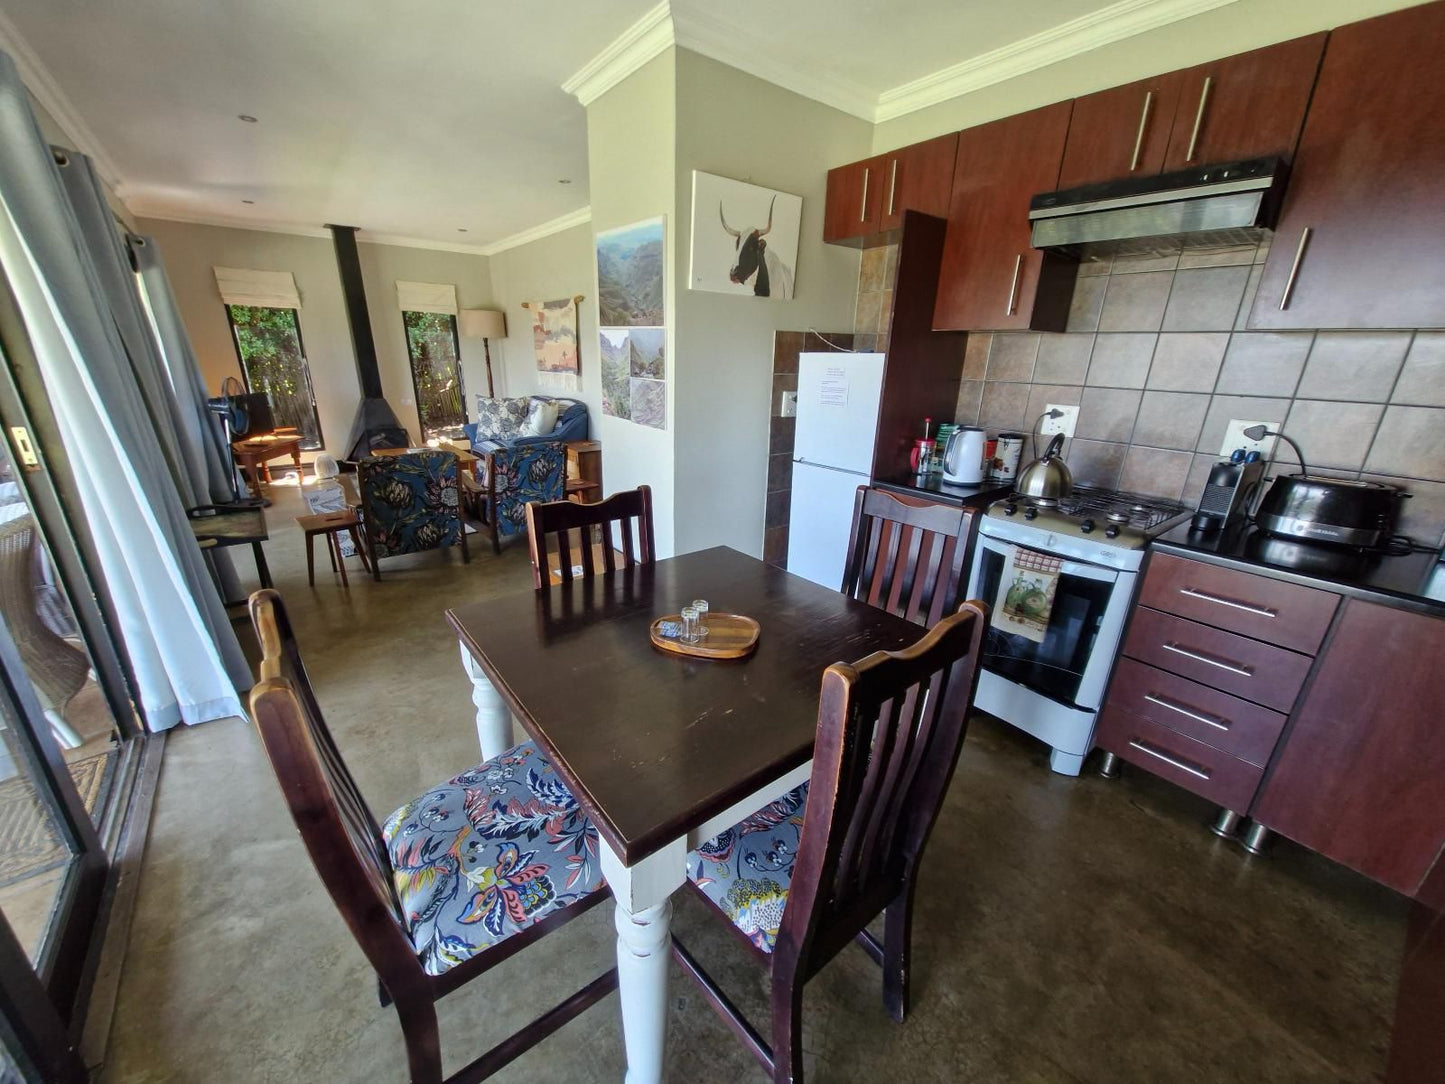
[{"x": 1232, "y": 487}]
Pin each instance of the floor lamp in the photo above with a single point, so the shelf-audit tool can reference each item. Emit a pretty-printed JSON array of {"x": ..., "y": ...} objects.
[{"x": 484, "y": 324}]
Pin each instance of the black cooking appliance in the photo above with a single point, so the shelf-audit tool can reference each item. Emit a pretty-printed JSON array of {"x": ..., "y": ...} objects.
[{"x": 1335, "y": 510}]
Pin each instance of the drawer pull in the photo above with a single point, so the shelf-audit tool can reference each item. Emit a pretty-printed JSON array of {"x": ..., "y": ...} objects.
[
  {"x": 1259, "y": 611},
  {"x": 1207, "y": 720},
  {"x": 1183, "y": 766},
  {"x": 1233, "y": 668}
]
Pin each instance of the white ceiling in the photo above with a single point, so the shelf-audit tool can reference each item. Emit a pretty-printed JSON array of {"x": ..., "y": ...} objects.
[{"x": 422, "y": 120}]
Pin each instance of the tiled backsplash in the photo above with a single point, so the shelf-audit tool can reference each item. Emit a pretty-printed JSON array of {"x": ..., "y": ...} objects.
[{"x": 1157, "y": 359}]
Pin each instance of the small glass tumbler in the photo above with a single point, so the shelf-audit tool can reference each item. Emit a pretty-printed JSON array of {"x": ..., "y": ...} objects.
[
  {"x": 700, "y": 605},
  {"x": 689, "y": 626}
]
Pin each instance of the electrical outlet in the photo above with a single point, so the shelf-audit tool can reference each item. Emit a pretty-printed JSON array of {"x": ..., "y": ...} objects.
[
  {"x": 789, "y": 406},
  {"x": 1064, "y": 424},
  {"x": 1234, "y": 438}
]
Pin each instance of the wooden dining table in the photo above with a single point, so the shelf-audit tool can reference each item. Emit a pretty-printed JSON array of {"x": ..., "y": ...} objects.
[{"x": 662, "y": 752}]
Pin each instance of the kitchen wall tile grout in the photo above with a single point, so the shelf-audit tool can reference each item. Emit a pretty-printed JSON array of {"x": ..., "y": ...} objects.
[{"x": 1389, "y": 399}]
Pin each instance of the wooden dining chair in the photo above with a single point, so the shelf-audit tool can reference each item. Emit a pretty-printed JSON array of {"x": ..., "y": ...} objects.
[
  {"x": 799, "y": 880},
  {"x": 906, "y": 557},
  {"x": 455, "y": 882},
  {"x": 589, "y": 528}
]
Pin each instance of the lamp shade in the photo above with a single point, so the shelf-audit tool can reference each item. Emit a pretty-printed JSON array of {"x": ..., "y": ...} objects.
[{"x": 482, "y": 324}]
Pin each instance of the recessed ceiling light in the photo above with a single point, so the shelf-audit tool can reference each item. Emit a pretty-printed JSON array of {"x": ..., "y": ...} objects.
[
  {"x": 246, "y": 117},
  {"x": 248, "y": 201},
  {"x": 564, "y": 180}
]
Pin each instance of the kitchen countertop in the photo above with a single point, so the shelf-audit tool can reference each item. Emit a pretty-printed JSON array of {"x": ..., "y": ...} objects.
[
  {"x": 932, "y": 487},
  {"x": 1411, "y": 581}
]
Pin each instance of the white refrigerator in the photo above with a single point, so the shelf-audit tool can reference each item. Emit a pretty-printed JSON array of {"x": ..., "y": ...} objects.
[{"x": 837, "y": 426}]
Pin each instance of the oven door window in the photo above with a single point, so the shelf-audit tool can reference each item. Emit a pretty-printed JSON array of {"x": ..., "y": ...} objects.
[{"x": 1055, "y": 667}]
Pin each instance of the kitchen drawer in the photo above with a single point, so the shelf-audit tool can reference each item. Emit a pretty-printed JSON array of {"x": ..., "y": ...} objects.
[
  {"x": 1263, "y": 673},
  {"x": 1270, "y": 610},
  {"x": 1208, "y": 772},
  {"x": 1224, "y": 722}
]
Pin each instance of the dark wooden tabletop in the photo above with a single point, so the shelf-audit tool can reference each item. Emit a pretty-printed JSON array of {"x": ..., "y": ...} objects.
[
  {"x": 654, "y": 744},
  {"x": 232, "y": 528}
]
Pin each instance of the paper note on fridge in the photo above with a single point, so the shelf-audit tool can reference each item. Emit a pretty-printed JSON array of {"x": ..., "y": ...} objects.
[{"x": 833, "y": 388}]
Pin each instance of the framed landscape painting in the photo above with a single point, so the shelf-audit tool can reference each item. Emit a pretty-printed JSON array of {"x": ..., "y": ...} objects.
[
  {"x": 631, "y": 268},
  {"x": 744, "y": 238}
]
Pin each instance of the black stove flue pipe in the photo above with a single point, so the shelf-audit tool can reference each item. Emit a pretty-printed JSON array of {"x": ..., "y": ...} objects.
[{"x": 348, "y": 262}]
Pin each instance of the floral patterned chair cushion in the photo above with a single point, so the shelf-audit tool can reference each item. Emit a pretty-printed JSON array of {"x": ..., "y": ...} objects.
[
  {"x": 501, "y": 419},
  {"x": 518, "y": 476},
  {"x": 409, "y": 502},
  {"x": 483, "y": 856},
  {"x": 746, "y": 870}
]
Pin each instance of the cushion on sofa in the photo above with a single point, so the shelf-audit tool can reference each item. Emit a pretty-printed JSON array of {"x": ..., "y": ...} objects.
[
  {"x": 541, "y": 417},
  {"x": 502, "y": 419}
]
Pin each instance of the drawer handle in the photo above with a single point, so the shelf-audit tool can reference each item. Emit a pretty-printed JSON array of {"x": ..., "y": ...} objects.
[
  {"x": 1207, "y": 720},
  {"x": 1013, "y": 287},
  {"x": 1259, "y": 611},
  {"x": 1182, "y": 765},
  {"x": 863, "y": 207},
  {"x": 1233, "y": 668}
]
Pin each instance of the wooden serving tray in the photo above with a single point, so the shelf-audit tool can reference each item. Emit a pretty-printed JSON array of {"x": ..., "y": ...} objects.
[{"x": 729, "y": 636}]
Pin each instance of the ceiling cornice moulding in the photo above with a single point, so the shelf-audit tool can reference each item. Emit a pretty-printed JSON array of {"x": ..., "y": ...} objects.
[
  {"x": 649, "y": 36},
  {"x": 38, "y": 80},
  {"x": 291, "y": 229},
  {"x": 563, "y": 222},
  {"x": 1073, "y": 38}
]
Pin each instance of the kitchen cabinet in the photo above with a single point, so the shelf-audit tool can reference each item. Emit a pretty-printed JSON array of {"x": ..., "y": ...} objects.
[
  {"x": 918, "y": 178},
  {"x": 1361, "y": 231},
  {"x": 1121, "y": 132},
  {"x": 1251, "y": 105},
  {"x": 992, "y": 279},
  {"x": 1358, "y": 775},
  {"x": 854, "y": 202}
]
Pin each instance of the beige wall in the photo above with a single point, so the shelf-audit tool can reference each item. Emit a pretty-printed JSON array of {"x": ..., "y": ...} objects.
[
  {"x": 735, "y": 125},
  {"x": 1233, "y": 28},
  {"x": 631, "y": 162},
  {"x": 191, "y": 251}
]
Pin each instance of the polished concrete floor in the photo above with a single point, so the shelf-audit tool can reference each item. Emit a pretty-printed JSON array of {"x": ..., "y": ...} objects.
[{"x": 1066, "y": 930}]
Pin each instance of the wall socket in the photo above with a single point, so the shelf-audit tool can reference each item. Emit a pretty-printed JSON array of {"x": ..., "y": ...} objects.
[
  {"x": 1064, "y": 425},
  {"x": 1234, "y": 438},
  {"x": 788, "y": 408}
]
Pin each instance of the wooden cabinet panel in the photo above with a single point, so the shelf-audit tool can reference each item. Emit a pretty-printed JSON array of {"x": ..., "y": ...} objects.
[
  {"x": 1219, "y": 720},
  {"x": 1278, "y": 613},
  {"x": 918, "y": 178},
  {"x": 1358, "y": 775},
  {"x": 1263, "y": 673},
  {"x": 1361, "y": 230},
  {"x": 1245, "y": 106},
  {"x": 1191, "y": 764},
  {"x": 1121, "y": 132},
  {"x": 992, "y": 278},
  {"x": 854, "y": 200}
]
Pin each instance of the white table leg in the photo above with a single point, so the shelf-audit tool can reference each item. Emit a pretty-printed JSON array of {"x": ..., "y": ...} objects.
[
  {"x": 494, "y": 718},
  {"x": 644, "y": 909}
]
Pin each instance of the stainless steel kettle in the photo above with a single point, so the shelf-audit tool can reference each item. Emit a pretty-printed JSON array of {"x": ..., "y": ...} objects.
[{"x": 1047, "y": 478}]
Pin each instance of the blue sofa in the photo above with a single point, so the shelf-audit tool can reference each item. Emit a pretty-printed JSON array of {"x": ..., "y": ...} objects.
[{"x": 499, "y": 422}]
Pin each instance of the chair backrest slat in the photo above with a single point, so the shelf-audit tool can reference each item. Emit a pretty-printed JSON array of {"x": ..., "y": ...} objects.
[
  {"x": 905, "y": 556},
  {"x": 627, "y": 510},
  {"x": 889, "y": 733}
]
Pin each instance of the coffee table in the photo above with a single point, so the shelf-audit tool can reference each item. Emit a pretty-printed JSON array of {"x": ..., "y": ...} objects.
[{"x": 252, "y": 454}]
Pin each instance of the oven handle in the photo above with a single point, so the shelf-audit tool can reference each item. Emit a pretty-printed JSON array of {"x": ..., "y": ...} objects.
[{"x": 1068, "y": 568}]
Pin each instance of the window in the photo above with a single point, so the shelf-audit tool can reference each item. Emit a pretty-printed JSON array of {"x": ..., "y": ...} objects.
[
  {"x": 268, "y": 342},
  {"x": 436, "y": 371}
]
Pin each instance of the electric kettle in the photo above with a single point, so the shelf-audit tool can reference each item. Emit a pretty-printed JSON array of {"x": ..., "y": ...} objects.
[{"x": 963, "y": 457}]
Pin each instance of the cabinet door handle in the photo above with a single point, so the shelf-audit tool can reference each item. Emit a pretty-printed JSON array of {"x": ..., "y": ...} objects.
[
  {"x": 1207, "y": 720},
  {"x": 1143, "y": 125},
  {"x": 1233, "y": 668},
  {"x": 1299, "y": 255},
  {"x": 1199, "y": 117},
  {"x": 1013, "y": 287},
  {"x": 1182, "y": 765},
  {"x": 892, "y": 185},
  {"x": 1259, "y": 611},
  {"x": 863, "y": 209}
]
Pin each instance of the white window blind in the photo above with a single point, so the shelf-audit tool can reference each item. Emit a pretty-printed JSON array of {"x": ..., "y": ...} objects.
[
  {"x": 426, "y": 297},
  {"x": 267, "y": 289}
]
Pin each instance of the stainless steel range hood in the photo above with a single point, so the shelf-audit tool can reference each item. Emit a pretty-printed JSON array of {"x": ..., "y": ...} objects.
[{"x": 1230, "y": 204}]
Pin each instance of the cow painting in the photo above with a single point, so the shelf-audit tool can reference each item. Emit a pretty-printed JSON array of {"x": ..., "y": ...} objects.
[{"x": 770, "y": 276}]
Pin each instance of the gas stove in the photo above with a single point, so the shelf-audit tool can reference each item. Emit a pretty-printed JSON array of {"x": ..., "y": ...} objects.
[{"x": 1106, "y": 516}]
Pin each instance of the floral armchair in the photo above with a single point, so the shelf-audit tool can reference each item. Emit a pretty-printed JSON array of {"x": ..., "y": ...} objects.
[
  {"x": 509, "y": 479},
  {"x": 409, "y": 504}
]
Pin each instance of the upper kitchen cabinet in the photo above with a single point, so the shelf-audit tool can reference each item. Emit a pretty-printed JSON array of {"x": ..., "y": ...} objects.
[
  {"x": 1246, "y": 106},
  {"x": 992, "y": 279},
  {"x": 1123, "y": 132},
  {"x": 855, "y": 201},
  {"x": 1361, "y": 231},
  {"x": 919, "y": 178}
]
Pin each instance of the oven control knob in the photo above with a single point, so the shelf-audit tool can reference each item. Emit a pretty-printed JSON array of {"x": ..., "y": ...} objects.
[
  {"x": 1010, "y": 509},
  {"x": 1086, "y": 526},
  {"x": 1111, "y": 531},
  {"x": 1031, "y": 513}
]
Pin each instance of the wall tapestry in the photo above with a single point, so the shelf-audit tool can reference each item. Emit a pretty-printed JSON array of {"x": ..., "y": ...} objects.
[
  {"x": 634, "y": 374},
  {"x": 744, "y": 238},
  {"x": 554, "y": 337},
  {"x": 631, "y": 267}
]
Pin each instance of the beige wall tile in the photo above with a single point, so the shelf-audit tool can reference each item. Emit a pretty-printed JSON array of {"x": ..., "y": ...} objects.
[
  {"x": 1188, "y": 362},
  {"x": 975, "y": 355},
  {"x": 870, "y": 270},
  {"x": 1251, "y": 288},
  {"x": 1246, "y": 408},
  {"x": 1095, "y": 462},
  {"x": 1063, "y": 359},
  {"x": 1041, "y": 395},
  {"x": 970, "y": 397},
  {"x": 1206, "y": 299},
  {"x": 1336, "y": 435},
  {"x": 865, "y": 317},
  {"x": 1121, "y": 360},
  {"x": 1155, "y": 471},
  {"x": 1011, "y": 357},
  {"x": 1087, "y": 302},
  {"x": 1263, "y": 363},
  {"x": 1409, "y": 444},
  {"x": 1170, "y": 419},
  {"x": 1003, "y": 405},
  {"x": 1221, "y": 256},
  {"x": 1356, "y": 366},
  {"x": 1422, "y": 380},
  {"x": 1135, "y": 302},
  {"x": 1167, "y": 260},
  {"x": 1107, "y": 413}
]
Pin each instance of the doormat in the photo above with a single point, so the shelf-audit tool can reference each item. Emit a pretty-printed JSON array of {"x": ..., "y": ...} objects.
[{"x": 29, "y": 842}]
